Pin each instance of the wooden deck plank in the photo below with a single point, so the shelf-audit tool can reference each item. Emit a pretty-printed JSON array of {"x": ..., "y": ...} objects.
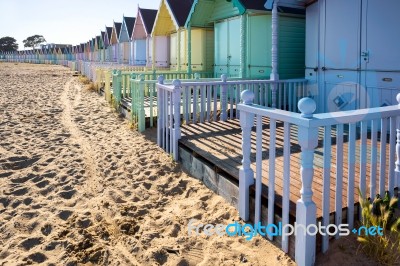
[{"x": 220, "y": 143}]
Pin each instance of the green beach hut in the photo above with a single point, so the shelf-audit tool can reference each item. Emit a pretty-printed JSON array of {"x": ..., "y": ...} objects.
[{"x": 243, "y": 37}]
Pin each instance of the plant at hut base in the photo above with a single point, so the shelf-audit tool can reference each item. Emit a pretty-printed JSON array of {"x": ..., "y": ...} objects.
[{"x": 381, "y": 212}]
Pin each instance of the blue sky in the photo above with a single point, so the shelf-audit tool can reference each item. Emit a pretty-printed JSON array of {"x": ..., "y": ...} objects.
[{"x": 66, "y": 22}]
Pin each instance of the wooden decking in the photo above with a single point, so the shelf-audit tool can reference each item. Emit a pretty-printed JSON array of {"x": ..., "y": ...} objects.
[{"x": 220, "y": 144}]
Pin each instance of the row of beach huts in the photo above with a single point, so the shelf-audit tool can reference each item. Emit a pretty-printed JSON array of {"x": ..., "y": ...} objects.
[{"x": 283, "y": 107}]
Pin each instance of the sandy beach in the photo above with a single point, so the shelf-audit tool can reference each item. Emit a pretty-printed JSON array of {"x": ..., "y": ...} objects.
[{"x": 79, "y": 186}]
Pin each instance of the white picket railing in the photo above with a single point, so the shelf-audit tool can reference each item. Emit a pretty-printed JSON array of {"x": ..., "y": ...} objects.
[
  {"x": 306, "y": 127},
  {"x": 206, "y": 101}
]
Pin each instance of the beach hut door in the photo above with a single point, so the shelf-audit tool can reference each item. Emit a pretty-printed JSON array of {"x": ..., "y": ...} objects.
[
  {"x": 340, "y": 57},
  {"x": 359, "y": 59},
  {"x": 380, "y": 56},
  {"x": 227, "y": 47}
]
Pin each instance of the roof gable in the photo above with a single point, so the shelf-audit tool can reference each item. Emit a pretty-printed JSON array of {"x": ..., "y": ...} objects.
[
  {"x": 180, "y": 10},
  {"x": 148, "y": 17},
  {"x": 126, "y": 29},
  {"x": 130, "y": 23},
  {"x": 107, "y": 36},
  {"x": 115, "y": 32}
]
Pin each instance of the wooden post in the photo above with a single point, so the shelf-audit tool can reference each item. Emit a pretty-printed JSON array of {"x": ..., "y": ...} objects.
[
  {"x": 274, "y": 51},
  {"x": 243, "y": 33},
  {"x": 160, "y": 105},
  {"x": 275, "y": 41},
  {"x": 224, "y": 100},
  {"x": 305, "y": 207},
  {"x": 153, "y": 52},
  {"x": 189, "y": 55},
  {"x": 177, "y": 117},
  {"x": 246, "y": 174}
]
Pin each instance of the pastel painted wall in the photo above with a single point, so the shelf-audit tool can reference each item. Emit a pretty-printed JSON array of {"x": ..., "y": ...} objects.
[
  {"x": 352, "y": 59},
  {"x": 140, "y": 52},
  {"x": 257, "y": 46},
  {"x": 161, "y": 50}
]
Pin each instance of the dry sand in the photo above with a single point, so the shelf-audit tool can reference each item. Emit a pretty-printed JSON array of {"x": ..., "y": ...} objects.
[{"x": 78, "y": 186}]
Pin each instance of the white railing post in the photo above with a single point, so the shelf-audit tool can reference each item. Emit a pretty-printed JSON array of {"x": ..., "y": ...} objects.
[
  {"x": 397, "y": 164},
  {"x": 224, "y": 100},
  {"x": 305, "y": 207},
  {"x": 246, "y": 174},
  {"x": 160, "y": 118},
  {"x": 177, "y": 117}
]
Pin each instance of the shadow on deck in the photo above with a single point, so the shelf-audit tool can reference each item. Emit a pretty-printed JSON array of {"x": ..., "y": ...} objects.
[{"x": 218, "y": 146}]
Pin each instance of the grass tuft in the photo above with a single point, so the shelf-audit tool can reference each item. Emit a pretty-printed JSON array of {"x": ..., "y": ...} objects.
[{"x": 381, "y": 212}]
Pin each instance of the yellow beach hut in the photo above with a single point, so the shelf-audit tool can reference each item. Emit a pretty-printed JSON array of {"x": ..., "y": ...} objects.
[{"x": 169, "y": 35}]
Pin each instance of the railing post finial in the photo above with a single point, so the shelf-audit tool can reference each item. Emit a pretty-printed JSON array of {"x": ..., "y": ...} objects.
[
  {"x": 161, "y": 79},
  {"x": 247, "y": 97},
  {"x": 224, "y": 77},
  {"x": 196, "y": 75},
  {"x": 307, "y": 107},
  {"x": 398, "y": 98},
  {"x": 176, "y": 83}
]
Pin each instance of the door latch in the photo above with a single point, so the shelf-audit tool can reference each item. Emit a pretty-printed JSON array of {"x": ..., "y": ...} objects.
[{"x": 365, "y": 56}]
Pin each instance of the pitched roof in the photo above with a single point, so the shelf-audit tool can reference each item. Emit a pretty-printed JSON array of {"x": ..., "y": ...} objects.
[
  {"x": 181, "y": 10},
  {"x": 118, "y": 28},
  {"x": 129, "y": 22},
  {"x": 109, "y": 31},
  {"x": 148, "y": 18}
]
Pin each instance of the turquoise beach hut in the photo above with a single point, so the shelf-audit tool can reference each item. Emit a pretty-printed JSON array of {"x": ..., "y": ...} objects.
[{"x": 169, "y": 34}]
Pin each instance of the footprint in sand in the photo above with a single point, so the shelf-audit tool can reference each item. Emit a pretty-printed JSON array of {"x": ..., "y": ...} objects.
[
  {"x": 42, "y": 184},
  {"x": 37, "y": 257},
  {"x": 18, "y": 192},
  {"x": 67, "y": 194},
  {"x": 6, "y": 174},
  {"x": 20, "y": 180},
  {"x": 64, "y": 215},
  {"x": 18, "y": 163},
  {"x": 46, "y": 229},
  {"x": 28, "y": 201},
  {"x": 29, "y": 243}
]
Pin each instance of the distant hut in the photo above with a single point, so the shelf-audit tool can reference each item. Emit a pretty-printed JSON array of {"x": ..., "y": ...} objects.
[
  {"x": 141, "y": 51},
  {"x": 107, "y": 44},
  {"x": 114, "y": 41},
  {"x": 125, "y": 39}
]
